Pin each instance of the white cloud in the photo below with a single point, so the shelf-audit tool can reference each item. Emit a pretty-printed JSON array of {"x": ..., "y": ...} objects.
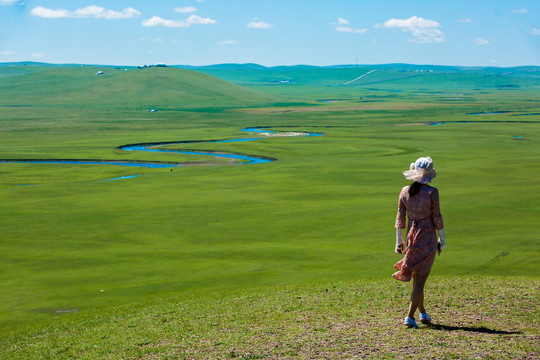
[
  {"x": 480, "y": 41},
  {"x": 101, "y": 13},
  {"x": 187, "y": 9},
  {"x": 195, "y": 19},
  {"x": 520, "y": 11},
  {"x": 255, "y": 24},
  {"x": 228, "y": 42},
  {"x": 347, "y": 29},
  {"x": 466, "y": 20},
  {"x": 534, "y": 31},
  {"x": 192, "y": 20},
  {"x": 91, "y": 11},
  {"x": 156, "y": 20},
  {"x": 37, "y": 55},
  {"x": 8, "y": 2},
  {"x": 350, "y": 30},
  {"x": 7, "y": 52},
  {"x": 423, "y": 30},
  {"x": 49, "y": 13}
]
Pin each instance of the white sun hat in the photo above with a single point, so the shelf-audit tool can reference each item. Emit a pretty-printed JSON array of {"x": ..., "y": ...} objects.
[{"x": 421, "y": 170}]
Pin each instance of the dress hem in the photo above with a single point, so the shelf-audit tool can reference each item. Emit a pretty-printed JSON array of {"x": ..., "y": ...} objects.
[{"x": 397, "y": 276}]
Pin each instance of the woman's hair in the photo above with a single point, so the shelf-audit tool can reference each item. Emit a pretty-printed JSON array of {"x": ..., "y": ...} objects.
[{"x": 415, "y": 188}]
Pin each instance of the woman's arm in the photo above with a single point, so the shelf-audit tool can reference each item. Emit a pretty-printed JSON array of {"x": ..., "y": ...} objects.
[
  {"x": 401, "y": 216},
  {"x": 399, "y": 241},
  {"x": 400, "y": 223}
]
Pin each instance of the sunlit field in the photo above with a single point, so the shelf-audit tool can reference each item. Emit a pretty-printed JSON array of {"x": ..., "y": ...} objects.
[{"x": 92, "y": 242}]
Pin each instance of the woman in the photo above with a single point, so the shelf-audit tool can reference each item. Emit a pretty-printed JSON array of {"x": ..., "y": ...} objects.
[{"x": 420, "y": 203}]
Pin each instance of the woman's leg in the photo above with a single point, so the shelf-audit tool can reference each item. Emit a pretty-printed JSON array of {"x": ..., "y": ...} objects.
[
  {"x": 417, "y": 295},
  {"x": 421, "y": 307}
]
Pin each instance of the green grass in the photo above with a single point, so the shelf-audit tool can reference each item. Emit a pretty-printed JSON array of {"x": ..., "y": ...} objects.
[
  {"x": 324, "y": 211},
  {"x": 475, "y": 317},
  {"x": 142, "y": 89}
]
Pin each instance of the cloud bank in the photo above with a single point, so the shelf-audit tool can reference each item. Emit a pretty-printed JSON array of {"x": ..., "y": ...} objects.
[
  {"x": 347, "y": 29},
  {"x": 187, "y": 9},
  {"x": 8, "y": 2},
  {"x": 350, "y": 30},
  {"x": 255, "y": 24},
  {"x": 480, "y": 41},
  {"x": 192, "y": 20},
  {"x": 422, "y": 30},
  {"x": 91, "y": 11}
]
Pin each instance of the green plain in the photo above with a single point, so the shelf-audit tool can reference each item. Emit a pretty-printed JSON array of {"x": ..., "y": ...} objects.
[{"x": 74, "y": 247}]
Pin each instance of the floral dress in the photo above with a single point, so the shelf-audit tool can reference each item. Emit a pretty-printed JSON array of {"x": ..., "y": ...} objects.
[{"x": 424, "y": 216}]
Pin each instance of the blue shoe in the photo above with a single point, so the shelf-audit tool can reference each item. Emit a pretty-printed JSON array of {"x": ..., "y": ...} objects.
[
  {"x": 425, "y": 318},
  {"x": 409, "y": 322}
]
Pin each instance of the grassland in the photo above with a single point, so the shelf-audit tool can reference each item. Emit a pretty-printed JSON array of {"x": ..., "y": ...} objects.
[
  {"x": 478, "y": 317},
  {"x": 80, "y": 255}
]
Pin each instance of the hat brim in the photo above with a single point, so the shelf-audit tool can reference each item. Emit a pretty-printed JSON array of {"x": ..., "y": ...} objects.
[{"x": 420, "y": 176}]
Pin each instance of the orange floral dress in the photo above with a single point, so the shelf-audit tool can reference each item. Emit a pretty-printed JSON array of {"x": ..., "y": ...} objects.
[{"x": 424, "y": 216}]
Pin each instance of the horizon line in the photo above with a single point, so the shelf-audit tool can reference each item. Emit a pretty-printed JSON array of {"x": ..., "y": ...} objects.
[{"x": 259, "y": 65}]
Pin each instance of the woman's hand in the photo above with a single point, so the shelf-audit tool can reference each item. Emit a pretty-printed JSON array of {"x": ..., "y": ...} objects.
[
  {"x": 399, "y": 248},
  {"x": 440, "y": 242}
]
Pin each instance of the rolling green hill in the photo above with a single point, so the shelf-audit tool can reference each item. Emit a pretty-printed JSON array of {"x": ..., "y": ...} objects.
[{"x": 119, "y": 88}]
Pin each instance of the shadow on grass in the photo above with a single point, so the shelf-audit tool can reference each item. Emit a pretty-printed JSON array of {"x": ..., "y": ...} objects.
[{"x": 479, "y": 329}]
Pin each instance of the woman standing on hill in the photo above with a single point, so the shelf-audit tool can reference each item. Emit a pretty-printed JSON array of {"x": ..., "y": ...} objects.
[{"x": 420, "y": 203}]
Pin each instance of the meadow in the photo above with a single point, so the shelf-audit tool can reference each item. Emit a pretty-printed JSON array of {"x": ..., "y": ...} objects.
[{"x": 91, "y": 268}]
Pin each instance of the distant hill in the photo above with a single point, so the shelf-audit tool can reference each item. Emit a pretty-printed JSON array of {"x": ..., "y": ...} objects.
[
  {"x": 118, "y": 87},
  {"x": 231, "y": 66},
  {"x": 385, "y": 75},
  {"x": 35, "y": 63},
  {"x": 179, "y": 86}
]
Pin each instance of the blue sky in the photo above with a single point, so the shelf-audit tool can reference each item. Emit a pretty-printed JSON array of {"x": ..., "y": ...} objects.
[{"x": 271, "y": 32}]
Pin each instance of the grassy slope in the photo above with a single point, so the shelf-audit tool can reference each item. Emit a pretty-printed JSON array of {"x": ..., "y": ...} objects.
[
  {"x": 119, "y": 89},
  {"x": 301, "y": 218},
  {"x": 475, "y": 317}
]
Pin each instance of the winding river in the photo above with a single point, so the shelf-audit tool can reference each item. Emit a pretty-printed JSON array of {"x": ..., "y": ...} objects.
[
  {"x": 243, "y": 159},
  {"x": 154, "y": 147}
]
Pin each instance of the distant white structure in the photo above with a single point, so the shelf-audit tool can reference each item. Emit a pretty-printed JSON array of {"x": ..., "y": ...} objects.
[{"x": 99, "y": 73}]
